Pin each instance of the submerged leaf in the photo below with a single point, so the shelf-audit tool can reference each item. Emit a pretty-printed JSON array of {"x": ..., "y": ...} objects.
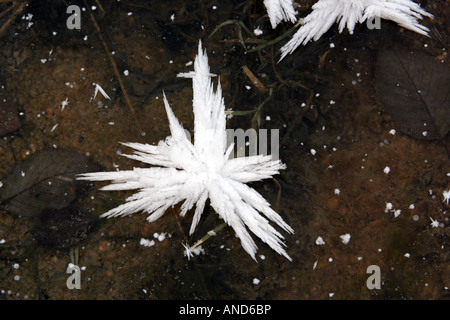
[
  {"x": 413, "y": 88},
  {"x": 45, "y": 180},
  {"x": 9, "y": 118}
]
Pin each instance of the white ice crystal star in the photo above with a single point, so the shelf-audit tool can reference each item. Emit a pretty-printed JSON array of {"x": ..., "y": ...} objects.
[
  {"x": 349, "y": 12},
  {"x": 195, "y": 172}
]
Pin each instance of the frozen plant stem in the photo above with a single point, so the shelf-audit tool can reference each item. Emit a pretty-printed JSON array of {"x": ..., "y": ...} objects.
[
  {"x": 208, "y": 235},
  {"x": 113, "y": 64}
]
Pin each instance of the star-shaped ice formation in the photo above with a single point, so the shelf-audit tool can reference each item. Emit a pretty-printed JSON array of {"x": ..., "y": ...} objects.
[{"x": 196, "y": 172}]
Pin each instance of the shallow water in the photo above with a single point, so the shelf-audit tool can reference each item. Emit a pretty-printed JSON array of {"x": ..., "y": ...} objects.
[{"x": 335, "y": 138}]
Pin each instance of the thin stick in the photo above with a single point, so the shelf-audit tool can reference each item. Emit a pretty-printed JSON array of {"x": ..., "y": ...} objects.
[
  {"x": 255, "y": 81},
  {"x": 13, "y": 17},
  {"x": 208, "y": 235},
  {"x": 111, "y": 59},
  {"x": 277, "y": 204},
  {"x": 100, "y": 6},
  {"x": 6, "y": 11}
]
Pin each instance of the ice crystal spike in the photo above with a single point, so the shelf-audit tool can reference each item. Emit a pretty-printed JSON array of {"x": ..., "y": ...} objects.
[
  {"x": 280, "y": 10},
  {"x": 349, "y": 12},
  {"x": 194, "y": 173}
]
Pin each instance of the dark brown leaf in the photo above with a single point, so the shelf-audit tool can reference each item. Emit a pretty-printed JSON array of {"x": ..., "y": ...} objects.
[
  {"x": 414, "y": 90},
  {"x": 45, "y": 180},
  {"x": 9, "y": 118}
]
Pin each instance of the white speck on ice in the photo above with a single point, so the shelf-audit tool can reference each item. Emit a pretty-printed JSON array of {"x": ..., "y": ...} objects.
[
  {"x": 15, "y": 266},
  {"x": 446, "y": 195},
  {"x": 126, "y": 72},
  {"x": 330, "y": 259},
  {"x": 64, "y": 104},
  {"x": 386, "y": 170},
  {"x": 190, "y": 251},
  {"x": 172, "y": 17},
  {"x": 16, "y": 278},
  {"x": 331, "y": 294},
  {"x": 1, "y": 184},
  {"x": 434, "y": 223},
  {"x": 161, "y": 236},
  {"x": 130, "y": 13},
  {"x": 392, "y": 131},
  {"x": 256, "y": 281},
  {"x": 345, "y": 238},
  {"x": 315, "y": 265},
  {"x": 359, "y": 258},
  {"x": 415, "y": 217},
  {"x": 319, "y": 241},
  {"x": 258, "y": 31},
  {"x": 397, "y": 213},
  {"x": 389, "y": 206},
  {"x": 189, "y": 63},
  {"x": 97, "y": 89},
  {"x": 43, "y": 60},
  {"x": 262, "y": 257},
  {"x": 22, "y": 173},
  {"x": 424, "y": 133},
  {"x": 147, "y": 243},
  {"x": 407, "y": 255},
  {"x": 313, "y": 152},
  {"x": 411, "y": 206},
  {"x": 337, "y": 191},
  {"x": 54, "y": 127},
  {"x": 332, "y": 45}
]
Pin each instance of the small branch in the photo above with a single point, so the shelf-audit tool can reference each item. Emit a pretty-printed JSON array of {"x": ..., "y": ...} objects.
[
  {"x": 111, "y": 59},
  {"x": 13, "y": 17}
]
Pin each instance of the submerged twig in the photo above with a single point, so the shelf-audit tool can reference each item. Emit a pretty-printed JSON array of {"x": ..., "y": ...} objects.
[
  {"x": 113, "y": 64},
  {"x": 13, "y": 17},
  {"x": 255, "y": 81},
  {"x": 277, "y": 204},
  {"x": 208, "y": 235}
]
